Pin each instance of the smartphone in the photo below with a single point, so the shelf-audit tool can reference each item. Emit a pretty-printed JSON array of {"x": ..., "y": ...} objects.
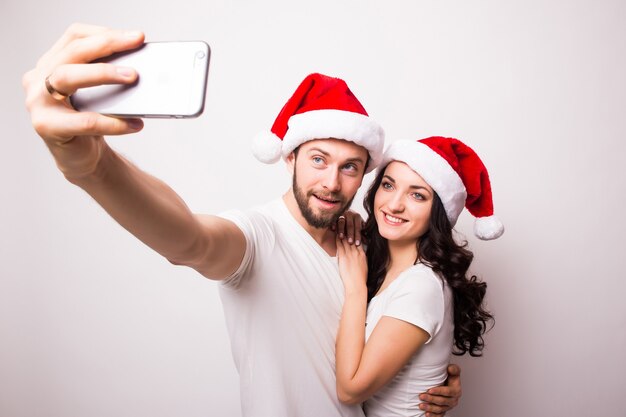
[{"x": 171, "y": 84}]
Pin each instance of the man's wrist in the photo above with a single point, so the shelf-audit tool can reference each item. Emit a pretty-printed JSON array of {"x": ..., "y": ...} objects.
[{"x": 83, "y": 162}]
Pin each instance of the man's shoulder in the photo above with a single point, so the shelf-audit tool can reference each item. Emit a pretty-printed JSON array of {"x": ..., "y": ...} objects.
[
  {"x": 266, "y": 210},
  {"x": 263, "y": 219}
]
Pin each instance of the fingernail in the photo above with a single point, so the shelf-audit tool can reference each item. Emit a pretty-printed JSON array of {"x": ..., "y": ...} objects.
[
  {"x": 349, "y": 240},
  {"x": 357, "y": 242},
  {"x": 135, "y": 124},
  {"x": 125, "y": 72},
  {"x": 340, "y": 235}
]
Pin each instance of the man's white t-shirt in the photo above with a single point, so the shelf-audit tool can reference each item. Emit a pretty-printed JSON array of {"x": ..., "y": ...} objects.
[
  {"x": 417, "y": 296},
  {"x": 282, "y": 309}
]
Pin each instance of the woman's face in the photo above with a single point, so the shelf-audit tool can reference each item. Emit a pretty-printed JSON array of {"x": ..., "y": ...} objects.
[{"x": 402, "y": 204}]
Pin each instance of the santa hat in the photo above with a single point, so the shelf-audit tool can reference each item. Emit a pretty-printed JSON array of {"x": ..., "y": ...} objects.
[
  {"x": 456, "y": 174},
  {"x": 322, "y": 107}
]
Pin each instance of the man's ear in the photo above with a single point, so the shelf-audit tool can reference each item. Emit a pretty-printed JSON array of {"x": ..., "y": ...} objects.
[{"x": 291, "y": 162}]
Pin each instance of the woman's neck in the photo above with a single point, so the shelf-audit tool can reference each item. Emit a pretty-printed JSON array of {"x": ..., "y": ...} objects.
[{"x": 401, "y": 255}]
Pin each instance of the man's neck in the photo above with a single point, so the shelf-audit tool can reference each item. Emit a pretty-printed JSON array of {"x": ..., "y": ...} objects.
[{"x": 323, "y": 236}]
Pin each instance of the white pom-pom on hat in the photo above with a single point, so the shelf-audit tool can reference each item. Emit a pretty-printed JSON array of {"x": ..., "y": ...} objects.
[
  {"x": 267, "y": 147},
  {"x": 488, "y": 228}
]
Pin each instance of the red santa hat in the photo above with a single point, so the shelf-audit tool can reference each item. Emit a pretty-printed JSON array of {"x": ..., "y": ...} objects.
[
  {"x": 322, "y": 107},
  {"x": 456, "y": 174}
]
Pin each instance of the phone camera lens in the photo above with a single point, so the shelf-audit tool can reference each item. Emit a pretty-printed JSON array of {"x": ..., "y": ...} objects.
[{"x": 200, "y": 55}]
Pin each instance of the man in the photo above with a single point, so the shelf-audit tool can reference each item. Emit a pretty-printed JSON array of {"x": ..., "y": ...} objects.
[{"x": 280, "y": 287}]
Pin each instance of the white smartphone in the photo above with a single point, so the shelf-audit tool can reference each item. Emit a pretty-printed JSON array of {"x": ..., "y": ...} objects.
[{"x": 171, "y": 84}]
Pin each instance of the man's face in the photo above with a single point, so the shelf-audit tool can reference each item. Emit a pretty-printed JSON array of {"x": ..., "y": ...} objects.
[{"x": 326, "y": 175}]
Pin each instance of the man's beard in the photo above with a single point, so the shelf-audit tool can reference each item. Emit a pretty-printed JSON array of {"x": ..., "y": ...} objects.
[{"x": 321, "y": 220}]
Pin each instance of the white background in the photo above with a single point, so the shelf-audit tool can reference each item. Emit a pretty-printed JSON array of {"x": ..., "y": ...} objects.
[{"x": 93, "y": 323}]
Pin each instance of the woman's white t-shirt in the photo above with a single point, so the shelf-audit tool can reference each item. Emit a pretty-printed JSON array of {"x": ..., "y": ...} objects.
[{"x": 420, "y": 297}]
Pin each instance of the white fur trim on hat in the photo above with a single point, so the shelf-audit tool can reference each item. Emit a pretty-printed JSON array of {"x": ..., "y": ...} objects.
[
  {"x": 488, "y": 228},
  {"x": 337, "y": 124},
  {"x": 266, "y": 147},
  {"x": 434, "y": 169}
]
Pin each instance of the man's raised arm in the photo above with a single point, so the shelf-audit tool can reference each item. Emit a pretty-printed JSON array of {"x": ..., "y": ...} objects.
[{"x": 141, "y": 203}]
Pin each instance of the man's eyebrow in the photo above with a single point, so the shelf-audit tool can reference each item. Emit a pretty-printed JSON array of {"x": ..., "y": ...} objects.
[
  {"x": 318, "y": 150},
  {"x": 356, "y": 159},
  {"x": 323, "y": 152}
]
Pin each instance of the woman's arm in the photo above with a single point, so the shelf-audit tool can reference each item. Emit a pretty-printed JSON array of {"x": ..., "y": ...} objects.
[{"x": 362, "y": 369}]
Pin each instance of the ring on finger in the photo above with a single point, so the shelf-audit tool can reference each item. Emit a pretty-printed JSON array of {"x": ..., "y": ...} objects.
[{"x": 56, "y": 94}]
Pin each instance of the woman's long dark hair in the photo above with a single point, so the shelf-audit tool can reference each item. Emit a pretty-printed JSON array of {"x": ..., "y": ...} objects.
[{"x": 451, "y": 261}]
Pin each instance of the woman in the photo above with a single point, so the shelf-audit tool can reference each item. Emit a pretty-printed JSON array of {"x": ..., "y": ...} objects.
[{"x": 421, "y": 300}]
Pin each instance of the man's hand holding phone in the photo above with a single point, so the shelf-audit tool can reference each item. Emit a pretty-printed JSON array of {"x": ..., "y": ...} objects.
[
  {"x": 75, "y": 138},
  {"x": 66, "y": 66}
]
